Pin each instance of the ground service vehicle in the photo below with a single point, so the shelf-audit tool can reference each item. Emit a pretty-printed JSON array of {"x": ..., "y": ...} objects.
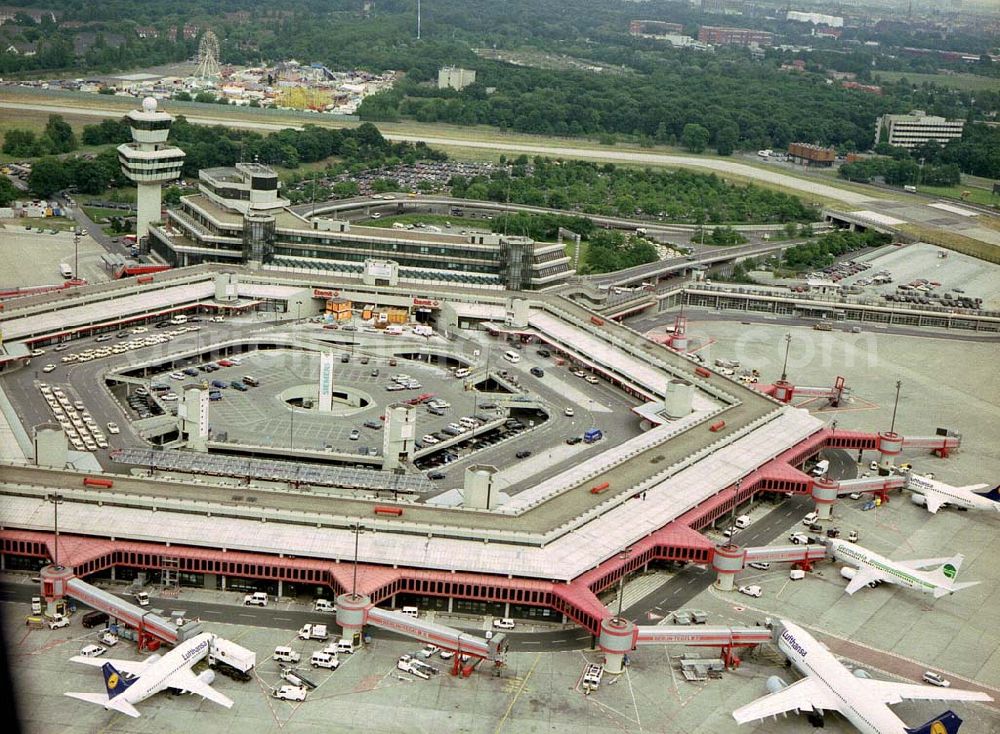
[
  {"x": 593, "y": 435},
  {"x": 141, "y": 598},
  {"x": 95, "y": 618},
  {"x": 322, "y": 659},
  {"x": 324, "y": 605},
  {"x": 232, "y": 660},
  {"x": 284, "y": 654},
  {"x": 313, "y": 632},
  {"x": 256, "y": 599},
  {"x": 58, "y": 621},
  {"x": 289, "y": 693}
]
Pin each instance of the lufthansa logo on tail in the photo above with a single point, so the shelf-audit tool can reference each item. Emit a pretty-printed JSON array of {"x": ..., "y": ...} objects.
[
  {"x": 113, "y": 681},
  {"x": 938, "y": 728}
]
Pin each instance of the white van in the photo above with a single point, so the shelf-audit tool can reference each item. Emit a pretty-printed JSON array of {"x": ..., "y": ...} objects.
[
  {"x": 322, "y": 659},
  {"x": 463, "y": 372},
  {"x": 179, "y": 319},
  {"x": 796, "y": 574},
  {"x": 743, "y": 521},
  {"x": 810, "y": 518},
  {"x": 324, "y": 605},
  {"x": 345, "y": 646},
  {"x": 286, "y": 654},
  {"x": 410, "y": 611},
  {"x": 821, "y": 468},
  {"x": 512, "y": 357}
]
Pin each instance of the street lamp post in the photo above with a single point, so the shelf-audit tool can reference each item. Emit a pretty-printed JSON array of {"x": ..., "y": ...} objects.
[
  {"x": 358, "y": 529},
  {"x": 76, "y": 254},
  {"x": 621, "y": 584},
  {"x": 56, "y": 499},
  {"x": 291, "y": 428},
  {"x": 784, "y": 367},
  {"x": 892, "y": 426}
]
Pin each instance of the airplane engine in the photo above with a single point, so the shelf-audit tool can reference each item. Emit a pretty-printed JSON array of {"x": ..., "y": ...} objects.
[
  {"x": 918, "y": 499},
  {"x": 861, "y": 673},
  {"x": 207, "y": 677},
  {"x": 153, "y": 658},
  {"x": 775, "y": 684}
]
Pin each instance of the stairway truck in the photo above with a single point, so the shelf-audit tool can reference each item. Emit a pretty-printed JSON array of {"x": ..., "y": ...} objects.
[{"x": 231, "y": 659}]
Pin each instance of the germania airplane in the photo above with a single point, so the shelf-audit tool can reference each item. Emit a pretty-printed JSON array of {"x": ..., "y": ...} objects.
[
  {"x": 128, "y": 682},
  {"x": 829, "y": 686},
  {"x": 934, "y": 495},
  {"x": 871, "y": 569}
]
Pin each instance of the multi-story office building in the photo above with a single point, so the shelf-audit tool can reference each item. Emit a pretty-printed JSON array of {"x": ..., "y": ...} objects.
[
  {"x": 239, "y": 216},
  {"x": 916, "y": 128},
  {"x": 734, "y": 36}
]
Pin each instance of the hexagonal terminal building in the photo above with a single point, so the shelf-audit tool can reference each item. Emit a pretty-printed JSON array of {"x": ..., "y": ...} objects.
[{"x": 149, "y": 161}]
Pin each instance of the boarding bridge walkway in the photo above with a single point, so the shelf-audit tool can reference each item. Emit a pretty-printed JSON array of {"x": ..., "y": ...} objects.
[
  {"x": 445, "y": 637},
  {"x": 710, "y": 636},
  {"x": 59, "y": 582},
  {"x": 879, "y": 485}
]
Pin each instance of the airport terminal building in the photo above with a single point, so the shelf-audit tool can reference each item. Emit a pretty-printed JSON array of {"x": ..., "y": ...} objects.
[{"x": 239, "y": 216}]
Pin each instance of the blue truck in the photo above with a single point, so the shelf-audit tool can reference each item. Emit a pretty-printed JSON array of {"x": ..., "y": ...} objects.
[{"x": 593, "y": 435}]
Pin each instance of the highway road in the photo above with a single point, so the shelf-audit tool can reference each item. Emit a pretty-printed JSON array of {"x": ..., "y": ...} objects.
[{"x": 735, "y": 168}]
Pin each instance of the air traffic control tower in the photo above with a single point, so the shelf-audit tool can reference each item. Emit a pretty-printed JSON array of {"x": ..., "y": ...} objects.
[{"x": 149, "y": 161}]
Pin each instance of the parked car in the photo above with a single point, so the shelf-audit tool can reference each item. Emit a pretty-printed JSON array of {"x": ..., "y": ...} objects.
[
  {"x": 935, "y": 679},
  {"x": 93, "y": 651},
  {"x": 754, "y": 591},
  {"x": 504, "y": 623},
  {"x": 537, "y": 371},
  {"x": 523, "y": 454}
]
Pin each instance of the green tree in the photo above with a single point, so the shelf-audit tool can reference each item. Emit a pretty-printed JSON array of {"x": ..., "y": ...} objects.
[
  {"x": 727, "y": 138},
  {"x": 694, "y": 137},
  {"x": 60, "y": 135},
  {"x": 20, "y": 143},
  {"x": 8, "y": 192},
  {"x": 204, "y": 96},
  {"x": 48, "y": 176},
  {"x": 172, "y": 196}
]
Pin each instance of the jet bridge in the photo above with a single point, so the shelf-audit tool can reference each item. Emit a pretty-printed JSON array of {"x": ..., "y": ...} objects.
[
  {"x": 730, "y": 559},
  {"x": 354, "y": 613},
  {"x": 152, "y": 629},
  {"x": 620, "y": 636}
]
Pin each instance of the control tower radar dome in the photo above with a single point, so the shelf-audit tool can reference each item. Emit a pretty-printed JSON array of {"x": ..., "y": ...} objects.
[{"x": 149, "y": 104}]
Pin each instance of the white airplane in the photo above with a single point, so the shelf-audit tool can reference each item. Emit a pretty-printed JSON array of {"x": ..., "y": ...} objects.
[
  {"x": 128, "y": 682},
  {"x": 871, "y": 569},
  {"x": 830, "y": 686},
  {"x": 934, "y": 495}
]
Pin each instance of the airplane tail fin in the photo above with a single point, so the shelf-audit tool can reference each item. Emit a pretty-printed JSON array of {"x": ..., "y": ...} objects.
[
  {"x": 993, "y": 494},
  {"x": 946, "y": 723},
  {"x": 947, "y": 572},
  {"x": 114, "y": 682}
]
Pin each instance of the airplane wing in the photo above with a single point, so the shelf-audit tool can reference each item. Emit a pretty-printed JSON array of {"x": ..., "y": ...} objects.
[
  {"x": 187, "y": 681},
  {"x": 101, "y": 699},
  {"x": 803, "y": 695},
  {"x": 132, "y": 667},
  {"x": 863, "y": 577},
  {"x": 918, "y": 563},
  {"x": 891, "y": 693},
  {"x": 933, "y": 501}
]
